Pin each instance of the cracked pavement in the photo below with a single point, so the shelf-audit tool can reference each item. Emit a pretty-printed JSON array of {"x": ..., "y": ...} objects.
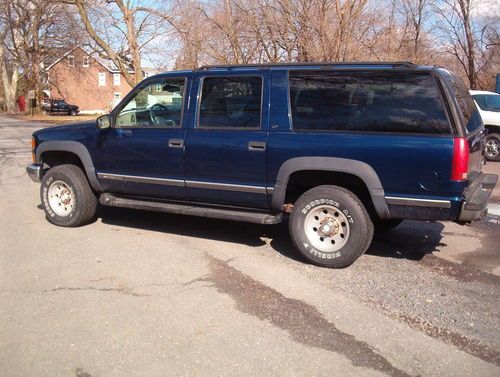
[{"x": 146, "y": 294}]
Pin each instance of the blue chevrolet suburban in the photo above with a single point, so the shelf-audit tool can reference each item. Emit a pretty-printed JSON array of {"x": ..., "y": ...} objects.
[{"x": 338, "y": 149}]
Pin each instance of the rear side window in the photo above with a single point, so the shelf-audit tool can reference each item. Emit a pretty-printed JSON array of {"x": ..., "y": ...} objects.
[
  {"x": 375, "y": 101},
  {"x": 471, "y": 117},
  {"x": 231, "y": 102}
]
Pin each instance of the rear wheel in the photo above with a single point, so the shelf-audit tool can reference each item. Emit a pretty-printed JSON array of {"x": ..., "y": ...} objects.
[
  {"x": 67, "y": 198},
  {"x": 72, "y": 112},
  {"x": 330, "y": 227},
  {"x": 492, "y": 147}
]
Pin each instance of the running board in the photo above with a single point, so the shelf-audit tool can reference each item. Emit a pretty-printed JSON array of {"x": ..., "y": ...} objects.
[{"x": 186, "y": 209}]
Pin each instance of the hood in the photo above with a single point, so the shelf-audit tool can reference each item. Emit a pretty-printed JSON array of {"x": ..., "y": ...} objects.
[{"x": 68, "y": 127}]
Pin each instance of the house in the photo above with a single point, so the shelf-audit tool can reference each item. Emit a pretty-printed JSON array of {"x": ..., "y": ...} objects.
[{"x": 86, "y": 80}]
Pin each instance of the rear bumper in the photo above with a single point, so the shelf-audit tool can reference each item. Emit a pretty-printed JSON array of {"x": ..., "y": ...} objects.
[
  {"x": 475, "y": 204},
  {"x": 34, "y": 172}
]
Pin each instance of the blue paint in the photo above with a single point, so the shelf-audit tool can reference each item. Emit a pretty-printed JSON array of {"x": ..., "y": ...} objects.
[{"x": 406, "y": 164}]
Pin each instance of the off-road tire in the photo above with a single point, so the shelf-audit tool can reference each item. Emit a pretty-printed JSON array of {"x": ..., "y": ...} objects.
[
  {"x": 348, "y": 206},
  {"x": 385, "y": 225},
  {"x": 84, "y": 200}
]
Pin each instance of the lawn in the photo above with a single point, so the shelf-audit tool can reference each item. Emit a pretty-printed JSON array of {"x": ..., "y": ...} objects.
[{"x": 55, "y": 119}]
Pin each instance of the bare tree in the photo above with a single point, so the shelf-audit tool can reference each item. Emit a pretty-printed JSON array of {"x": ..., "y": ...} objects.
[
  {"x": 458, "y": 34},
  {"x": 9, "y": 70},
  {"x": 415, "y": 13},
  {"x": 33, "y": 30},
  {"x": 489, "y": 53},
  {"x": 121, "y": 31}
]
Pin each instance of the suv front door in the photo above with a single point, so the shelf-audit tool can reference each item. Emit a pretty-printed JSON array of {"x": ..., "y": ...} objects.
[
  {"x": 226, "y": 147},
  {"x": 143, "y": 152}
]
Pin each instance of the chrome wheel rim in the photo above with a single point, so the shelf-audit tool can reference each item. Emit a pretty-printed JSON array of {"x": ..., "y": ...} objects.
[
  {"x": 61, "y": 198},
  {"x": 492, "y": 148},
  {"x": 326, "y": 228}
]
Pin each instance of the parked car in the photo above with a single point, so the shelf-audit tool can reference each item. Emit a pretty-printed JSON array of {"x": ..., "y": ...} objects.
[
  {"x": 488, "y": 104},
  {"x": 60, "y": 106},
  {"x": 343, "y": 148}
]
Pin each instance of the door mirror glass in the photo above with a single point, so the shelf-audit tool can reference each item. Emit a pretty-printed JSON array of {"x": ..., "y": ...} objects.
[{"x": 104, "y": 121}]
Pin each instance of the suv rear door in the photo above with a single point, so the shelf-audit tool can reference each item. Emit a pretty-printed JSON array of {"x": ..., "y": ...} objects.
[{"x": 225, "y": 160}]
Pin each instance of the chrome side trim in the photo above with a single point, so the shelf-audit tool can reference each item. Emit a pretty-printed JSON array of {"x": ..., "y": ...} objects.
[
  {"x": 435, "y": 203},
  {"x": 139, "y": 179},
  {"x": 226, "y": 187},
  {"x": 193, "y": 184}
]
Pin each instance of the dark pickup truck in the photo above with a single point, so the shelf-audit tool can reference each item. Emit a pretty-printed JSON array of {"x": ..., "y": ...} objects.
[
  {"x": 60, "y": 106},
  {"x": 338, "y": 149}
]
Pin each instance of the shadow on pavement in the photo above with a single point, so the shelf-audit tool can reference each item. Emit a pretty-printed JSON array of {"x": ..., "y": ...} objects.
[{"x": 411, "y": 240}]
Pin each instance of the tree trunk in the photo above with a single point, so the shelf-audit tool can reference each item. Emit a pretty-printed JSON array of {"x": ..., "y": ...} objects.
[
  {"x": 36, "y": 61},
  {"x": 9, "y": 84},
  {"x": 471, "y": 74},
  {"x": 123, "y": 67},
  {"x": 132, "y": 41}
]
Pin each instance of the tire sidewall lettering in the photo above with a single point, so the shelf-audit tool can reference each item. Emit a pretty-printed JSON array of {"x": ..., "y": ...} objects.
[{"x": 331, "y": 202}]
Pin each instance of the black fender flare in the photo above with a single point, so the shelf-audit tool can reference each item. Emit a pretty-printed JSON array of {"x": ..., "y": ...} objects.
[
  {"x": 358, "y": 168},
  {"x": 78, "y": 149}
]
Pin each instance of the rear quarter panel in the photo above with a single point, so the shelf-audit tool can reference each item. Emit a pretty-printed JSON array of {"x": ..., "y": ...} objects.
[{"x": 412, "y": 165}]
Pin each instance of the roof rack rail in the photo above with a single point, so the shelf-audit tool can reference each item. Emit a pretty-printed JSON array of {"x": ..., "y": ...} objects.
[{"x": 320, "y": 64}]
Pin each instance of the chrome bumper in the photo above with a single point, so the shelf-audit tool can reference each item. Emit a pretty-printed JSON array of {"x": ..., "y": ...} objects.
[
  {"x": 35, "y": 172},
  {"x": 475, "y": 205}
]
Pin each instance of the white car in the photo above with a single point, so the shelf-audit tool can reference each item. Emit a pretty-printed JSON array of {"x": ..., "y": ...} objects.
[{"x": 488, "y": 104}]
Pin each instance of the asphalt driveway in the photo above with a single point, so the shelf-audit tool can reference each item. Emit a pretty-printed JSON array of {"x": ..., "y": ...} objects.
[{"x": 142, "y": 294}]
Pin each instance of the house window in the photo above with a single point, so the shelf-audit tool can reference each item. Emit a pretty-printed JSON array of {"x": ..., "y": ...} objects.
[
  {"x": 116, "y": 79},
  {"x": 117, "y": 96},
  {"x": 102, "y": 79},
  {"x": 71, "y": 60},
  {"x": 86, "y": 61}
]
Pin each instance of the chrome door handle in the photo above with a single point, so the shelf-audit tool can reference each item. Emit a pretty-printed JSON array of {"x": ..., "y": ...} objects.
[
  {"x": 258, "y": 146},
  {"x": 176, "y": 143}
]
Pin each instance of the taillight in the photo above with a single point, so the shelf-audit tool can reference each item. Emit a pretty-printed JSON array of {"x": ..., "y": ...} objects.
[
  {"x": 33, "y": 146},
  {"x": 460, "y": 162}
]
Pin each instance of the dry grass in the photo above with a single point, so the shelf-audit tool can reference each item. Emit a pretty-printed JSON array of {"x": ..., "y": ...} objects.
[{"x": 55, "y": 119}]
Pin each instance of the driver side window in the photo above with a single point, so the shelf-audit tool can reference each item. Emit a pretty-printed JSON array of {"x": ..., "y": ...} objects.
[{"x": 157, "y": 105}]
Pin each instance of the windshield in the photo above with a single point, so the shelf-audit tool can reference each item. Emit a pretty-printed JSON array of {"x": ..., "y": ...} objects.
[{"x": 488, "y": 102}]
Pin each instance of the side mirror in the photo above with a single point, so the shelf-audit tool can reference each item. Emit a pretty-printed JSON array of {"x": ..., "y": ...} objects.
[{"x": 104, "y": 121}]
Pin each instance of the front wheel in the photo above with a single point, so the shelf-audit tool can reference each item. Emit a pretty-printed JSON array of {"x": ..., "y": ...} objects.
[
  {"x": 67, "y": 198},
  {"x": 330, "y": 227},
  {"x": 492, "y": 147}
]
